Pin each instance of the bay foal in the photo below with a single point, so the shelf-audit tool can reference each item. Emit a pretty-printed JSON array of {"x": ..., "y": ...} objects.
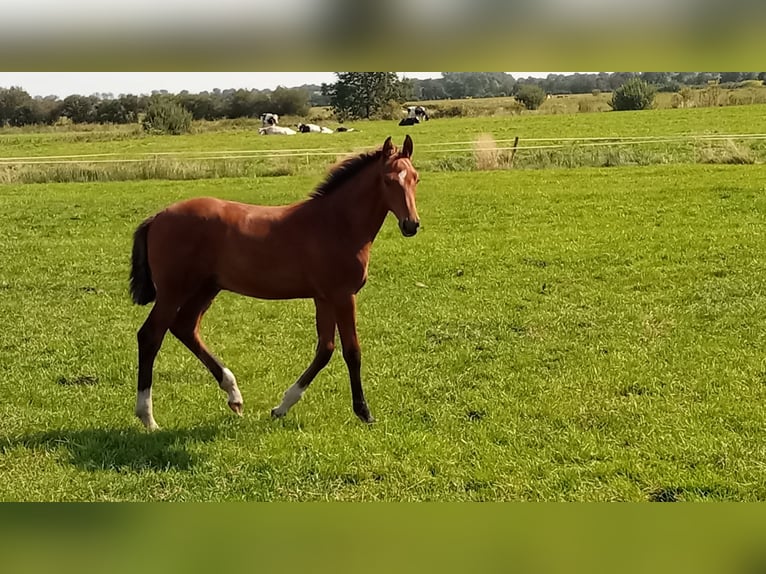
[{"x": 318, "y": 248}]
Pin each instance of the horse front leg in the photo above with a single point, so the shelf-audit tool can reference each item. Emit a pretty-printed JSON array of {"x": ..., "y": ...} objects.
[
  {"x": 345, "y": 313},
  {"x": 325, "y": 324}
]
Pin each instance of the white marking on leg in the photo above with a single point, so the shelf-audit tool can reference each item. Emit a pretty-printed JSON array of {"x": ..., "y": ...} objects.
[
  {"x": 292, "y": 395},
  {"x": 144, "y": 409},
  {"x": 229, "y": 384}
]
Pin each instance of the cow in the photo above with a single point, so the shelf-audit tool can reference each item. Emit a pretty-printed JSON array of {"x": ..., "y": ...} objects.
[
  {"x": 417, "y": 112},
  {"x": 313, "y": 129},
  {"x": 269, "y": 119},
  {"x": 276, "y": 131}
]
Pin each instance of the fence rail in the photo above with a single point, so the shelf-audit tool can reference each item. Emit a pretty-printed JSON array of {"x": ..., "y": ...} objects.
[{"x": 438, "y": 147}]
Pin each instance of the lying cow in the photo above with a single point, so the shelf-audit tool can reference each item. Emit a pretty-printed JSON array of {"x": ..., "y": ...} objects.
[
  {"x": 276, "y": 131},
  {"x": 313, "y": 129}
]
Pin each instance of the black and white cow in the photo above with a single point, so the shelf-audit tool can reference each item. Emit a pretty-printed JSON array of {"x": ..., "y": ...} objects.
[
  {"x": 417, "y": 112},
  {"x": 269, "y": 119},
  {"x": 313, "y": 129}
]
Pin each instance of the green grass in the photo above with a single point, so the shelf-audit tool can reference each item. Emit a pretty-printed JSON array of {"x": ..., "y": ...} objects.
[
  {"x": 440, "y": 144},
  {"x": 584, "y": 334}
]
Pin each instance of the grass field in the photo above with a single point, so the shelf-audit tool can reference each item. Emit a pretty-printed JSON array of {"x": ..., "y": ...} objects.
[
  {"x": 442, "y": 145},
  {"x": 562, "y": 334}
]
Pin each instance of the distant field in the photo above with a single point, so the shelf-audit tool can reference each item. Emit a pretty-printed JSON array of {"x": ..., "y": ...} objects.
[
  {"x": 598, "y": 102},
  {"x": 580, "y": 334},
  {"x": 441, "y": 145}
]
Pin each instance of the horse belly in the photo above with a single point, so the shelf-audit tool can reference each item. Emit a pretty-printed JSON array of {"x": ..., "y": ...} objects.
[
  {"x": 264, "y": 276},
  {"x": 270, "y": 287}
]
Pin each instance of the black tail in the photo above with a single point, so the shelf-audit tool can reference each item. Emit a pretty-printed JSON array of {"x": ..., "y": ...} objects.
[{"x": 141, "y": 285}]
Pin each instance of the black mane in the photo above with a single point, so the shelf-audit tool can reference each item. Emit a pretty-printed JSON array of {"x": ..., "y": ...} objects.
[{"x": 344, "y": 171}]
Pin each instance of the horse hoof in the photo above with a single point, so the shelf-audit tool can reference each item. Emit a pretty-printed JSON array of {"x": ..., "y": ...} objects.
[
  {"x": 236, "y": 407},
  {"x": 150, "y": 425},
  {"x": 275, "y": 414},
  {"x": 366, "y": 417}
]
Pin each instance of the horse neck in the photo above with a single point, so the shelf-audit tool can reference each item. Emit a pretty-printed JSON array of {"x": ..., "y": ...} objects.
[{"x": 360, "y": 206}]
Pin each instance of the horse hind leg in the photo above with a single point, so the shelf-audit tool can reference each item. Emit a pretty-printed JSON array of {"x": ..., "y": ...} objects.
[
  {"x": 150, "y": 337},
  {"x": 325, "y": 323},
  {"x": 186, "y": 329}
]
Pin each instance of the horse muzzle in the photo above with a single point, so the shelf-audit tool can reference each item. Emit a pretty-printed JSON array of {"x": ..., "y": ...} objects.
[{"x": 408, "y": 227}]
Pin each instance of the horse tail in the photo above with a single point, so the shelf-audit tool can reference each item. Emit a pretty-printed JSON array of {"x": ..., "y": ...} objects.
[{"x": 141, "y": 286}]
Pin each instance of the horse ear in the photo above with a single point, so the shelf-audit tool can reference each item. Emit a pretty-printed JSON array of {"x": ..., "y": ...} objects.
[
  {"x": 388, "y": 147},
  {"x": 407, "y": 147}
]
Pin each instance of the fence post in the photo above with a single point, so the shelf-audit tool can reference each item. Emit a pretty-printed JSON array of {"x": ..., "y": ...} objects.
[{"x": 513, "y": 151}]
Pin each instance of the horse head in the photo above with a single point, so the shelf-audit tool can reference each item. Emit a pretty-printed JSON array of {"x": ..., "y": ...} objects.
[{"x": 400, "y": 181}]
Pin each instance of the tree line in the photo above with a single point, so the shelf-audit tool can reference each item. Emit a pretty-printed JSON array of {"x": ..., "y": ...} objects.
[
  {"x": 380, "y": 94},
  {"x": 459, "y": 85},
  {"x": 19, "y": 108},
  {"x": 353, "y": 95}
]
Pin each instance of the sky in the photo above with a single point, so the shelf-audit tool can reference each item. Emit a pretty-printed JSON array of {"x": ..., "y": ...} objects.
[{"x": 64, "y": 84}]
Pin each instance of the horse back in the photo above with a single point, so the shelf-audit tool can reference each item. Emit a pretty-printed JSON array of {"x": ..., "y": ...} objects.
[{"x": 249, "y": 249}]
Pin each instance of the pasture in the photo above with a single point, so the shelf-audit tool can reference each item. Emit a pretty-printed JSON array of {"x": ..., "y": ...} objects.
[
  {"x": 234, "y": 148},
  {"x": 562, "y": 334}
]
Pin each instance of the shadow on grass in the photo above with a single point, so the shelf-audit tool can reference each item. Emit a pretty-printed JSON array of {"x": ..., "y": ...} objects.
[{"x": 122, "y": 449}]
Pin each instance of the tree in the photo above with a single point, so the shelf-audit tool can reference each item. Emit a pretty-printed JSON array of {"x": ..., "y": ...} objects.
[
  {"x": 317, "y": 95},
  {"x": 363, "y": 94},
  {"x": 11, "y": 99},
  {"x": 164, "y": 116},
  {"x": 731, "y": 77},
  {"x": 49, "y": 108},
  {"x": 454, "y": 85},
  {"x": 79, "y": 109},
  {"x": 246, "y": 103},
  {"x": 430, "y": 89},
  {"x": 531, "y": 95},
  {"x": 133, "y": 105},
  {"x": 635, "y": 94},
  {"x": 114, "y": 111},
  {"x": 289, "y": 101},
  {"x": 26, "y": 114}
]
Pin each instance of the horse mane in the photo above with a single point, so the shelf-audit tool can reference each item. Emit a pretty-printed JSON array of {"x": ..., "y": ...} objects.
[{"x": 343, "y": 171}]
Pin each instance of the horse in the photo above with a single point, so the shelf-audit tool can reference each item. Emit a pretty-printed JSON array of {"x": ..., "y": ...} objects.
[
  {"x": 317, "y": 248},
  {"x": 276, "y": 131},
  {"x": 409, "y": 121},
  {"x": 342, "y": 129},
  {"x": 269, "y": 119}
]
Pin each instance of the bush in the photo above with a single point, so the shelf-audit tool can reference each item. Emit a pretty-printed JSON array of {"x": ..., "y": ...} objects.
[
  {"x": 446, "y": 111},
  {"x": 635, "y": 94},
  {"x": 167, "y": 117},
  {"x": 531, "y": 96},
  {"x": 390, "y": 110},
  {"x": 711, "y": 96},
  {"x": 727, "y": 152}
]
